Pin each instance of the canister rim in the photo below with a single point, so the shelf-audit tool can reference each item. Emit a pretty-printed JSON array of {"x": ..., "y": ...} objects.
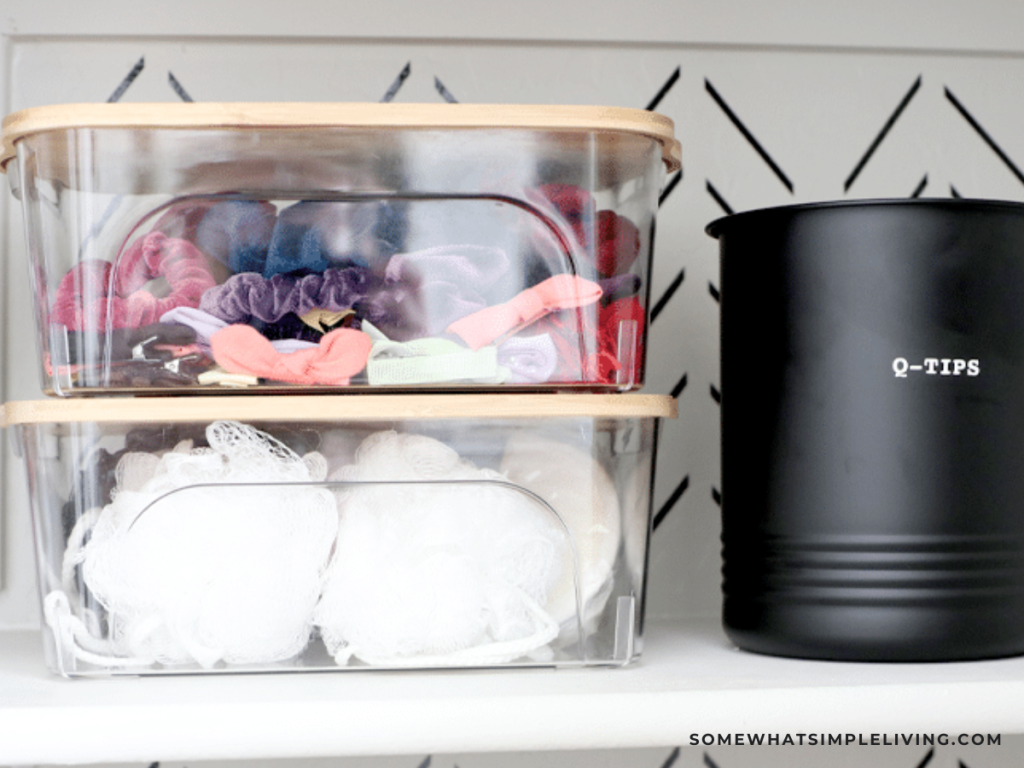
[{"x": 715, "y": 228}]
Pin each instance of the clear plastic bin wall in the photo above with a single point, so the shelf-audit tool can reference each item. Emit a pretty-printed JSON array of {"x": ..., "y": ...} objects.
[
  {"x": 232, "y": 546},
  {"x": 483, "y": 258}
]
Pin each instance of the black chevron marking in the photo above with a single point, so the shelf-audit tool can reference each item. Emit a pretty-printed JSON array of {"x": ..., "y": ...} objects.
[
  {"x": 128, "y": 80},
  {"x": 882, "y": 133}
]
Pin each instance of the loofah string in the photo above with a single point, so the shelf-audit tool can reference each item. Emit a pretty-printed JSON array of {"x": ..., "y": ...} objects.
[
  {"x": 71, "y": 634},
  {"x": 500, "y": 652},
  {"x": 255, "y": 453},
  {"x": 74, "y": 554}
]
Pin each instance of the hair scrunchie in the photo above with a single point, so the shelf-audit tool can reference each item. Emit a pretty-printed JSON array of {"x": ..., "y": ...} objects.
[
  {"x": 341, "y": 354},
  {"x": 249, "y": 295},
  {"x": 97, "y": 295},
  {"x": 588, "y": 346},
  {"x": 617, "y": 238}
]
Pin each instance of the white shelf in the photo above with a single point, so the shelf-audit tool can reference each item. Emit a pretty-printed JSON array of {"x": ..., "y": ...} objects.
[{"x": 691, "y": 681}]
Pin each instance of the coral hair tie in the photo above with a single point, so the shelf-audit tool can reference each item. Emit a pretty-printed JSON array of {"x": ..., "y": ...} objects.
[
  {"x": 342, "y": 354},
  {"x": 95, "y": 295},
  {"x": 555, "y": 293}
]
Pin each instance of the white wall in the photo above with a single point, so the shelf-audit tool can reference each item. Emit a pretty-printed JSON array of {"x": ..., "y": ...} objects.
[{"x": 814, "y": 82}]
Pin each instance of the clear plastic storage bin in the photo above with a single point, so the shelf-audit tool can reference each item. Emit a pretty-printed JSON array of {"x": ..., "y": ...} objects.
[
  {"x": 211, "y": 247},
  {"x": 325, "y": 533}
]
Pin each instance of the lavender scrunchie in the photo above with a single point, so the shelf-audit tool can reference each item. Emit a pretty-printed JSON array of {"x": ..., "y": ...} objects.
[{"x": 249, "y": 295}]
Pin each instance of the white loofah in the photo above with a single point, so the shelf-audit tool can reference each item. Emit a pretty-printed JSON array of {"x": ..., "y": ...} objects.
[
  {"x": 440, "y": 563},
  {"x": 193, "y": 567},
  {"x": 584, "y": 496},
  {"x": 636, "y": 519}
]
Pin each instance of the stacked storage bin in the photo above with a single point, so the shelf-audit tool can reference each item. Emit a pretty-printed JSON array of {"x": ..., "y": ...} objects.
[{"x": 393, "y": 346}]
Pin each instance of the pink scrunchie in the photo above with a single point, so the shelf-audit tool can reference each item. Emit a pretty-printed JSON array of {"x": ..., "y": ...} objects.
[
  {"x": 555, "y": 293},
  {"x": 96, "y": 295},
  {"x": 342, "y": 354}
]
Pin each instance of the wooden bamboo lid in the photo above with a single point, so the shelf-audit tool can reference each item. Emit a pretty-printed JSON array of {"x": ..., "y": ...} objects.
[
  {"x": 608, "y": 123},
  {"x": 321, "y": 408}
]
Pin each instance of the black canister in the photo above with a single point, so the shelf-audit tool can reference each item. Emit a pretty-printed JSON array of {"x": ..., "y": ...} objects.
[{"x": 872, "y": 388}]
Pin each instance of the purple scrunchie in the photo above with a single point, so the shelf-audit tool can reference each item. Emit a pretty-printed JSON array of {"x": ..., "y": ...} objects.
[
  {"x": 531, "y": 359},
  {"x": 249, "y": 295},
  {"x": 434, "y": 287}
]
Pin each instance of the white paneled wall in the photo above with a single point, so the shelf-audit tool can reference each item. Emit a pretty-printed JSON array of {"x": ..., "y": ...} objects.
[{"x": 771, "y": 108}]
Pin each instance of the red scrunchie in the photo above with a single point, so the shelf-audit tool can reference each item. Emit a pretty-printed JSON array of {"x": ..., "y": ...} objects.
[
  {"x": 618, "y": 243},
  {"x": 95, "y": 295},
  {"x": 574, "y": 335},
  {"x": 618, "y": 239},
  {"x": 610, "y": 319},
  {"x": 574, "y": 204}
]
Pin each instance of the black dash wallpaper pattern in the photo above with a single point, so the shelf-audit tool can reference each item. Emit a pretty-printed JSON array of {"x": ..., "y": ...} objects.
[{"x": 677, "y": 757}]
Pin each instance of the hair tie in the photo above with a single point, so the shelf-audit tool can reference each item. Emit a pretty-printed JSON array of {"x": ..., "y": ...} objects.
[
  {"x": 555, "y": 293},
  {"x": 182, "y": 219},
  {"x": 247, "y": 296},
  {"x": 95, "y": 295},
  {"x": 575, "y": 206},
  {"x": 617, "y": 239},
  {"x": 237, "y": 233},
  {"x": 437, "y": 286},
  {"x": 588, "y": 343},
  {"x": 291, "y": 326},
  {"x": 342, "y": 354},
  {"x": 312, "y": 236},
  {"x": 203, "y": 325},
  {"x": 429, "y": 361},
  {"x": 618, "y": 243},
  {"x": 620, "y": 338},
  {"x": 531, "y": 359},
  {"x": 304, "y": 238},
  {"x": 619, "y": 287},
  {"x": 324, "y": 320}
]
